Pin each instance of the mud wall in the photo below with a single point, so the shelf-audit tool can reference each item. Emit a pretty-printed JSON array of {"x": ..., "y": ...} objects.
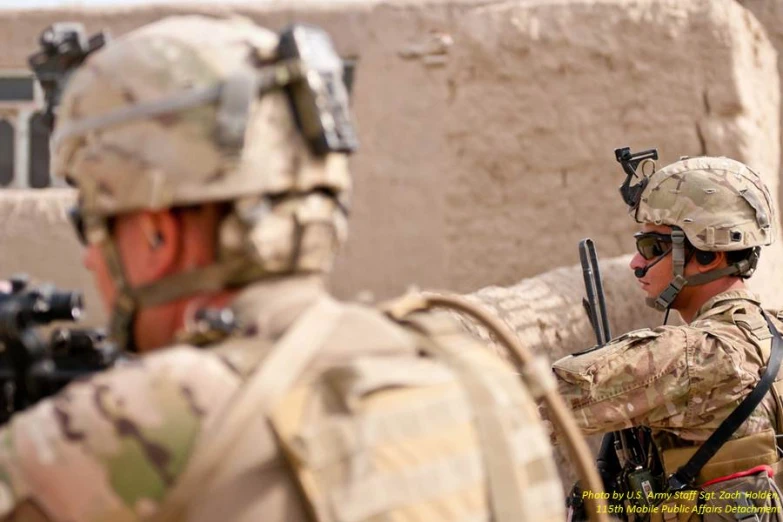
[
  {"x": 488, "y": 127},
  {"x": 770, "y": 14},
  {"x": 36, "y": 239}
]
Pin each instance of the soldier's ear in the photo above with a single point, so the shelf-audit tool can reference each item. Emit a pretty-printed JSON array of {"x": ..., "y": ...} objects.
[{"x": 162, "y": 232}]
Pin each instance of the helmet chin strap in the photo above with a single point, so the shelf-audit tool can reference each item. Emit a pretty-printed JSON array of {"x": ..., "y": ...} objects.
[
  {"x": 122, "y": 321},
  {"x": 672, "y": 290},
  {"x": 233, "y": 272},
  {"x": 211, "y": 278},
  {"x": 230, "y": 273},
  {"x": 665, "y": 299},
  {"x": 125, "y": 306},
  {"x": 96, "y": 228},
  {"x": 129, "y": 300}
]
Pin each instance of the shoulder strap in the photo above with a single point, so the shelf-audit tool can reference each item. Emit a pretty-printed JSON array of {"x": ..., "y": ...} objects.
[
  {"x": 494, "y": 431},
  {"x": 536, "y": 373},
  {"x": 275, "y": 375},
  {"x": 685, "y": 476}
]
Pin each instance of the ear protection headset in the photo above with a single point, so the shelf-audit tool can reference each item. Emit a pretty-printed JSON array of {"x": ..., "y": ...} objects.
[{"x": 705, "y": 258}]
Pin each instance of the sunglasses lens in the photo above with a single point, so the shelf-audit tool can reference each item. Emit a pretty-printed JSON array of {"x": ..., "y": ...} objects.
[
  {"x": 75, "y": 216},
  {"x": 650, "y": 246}
]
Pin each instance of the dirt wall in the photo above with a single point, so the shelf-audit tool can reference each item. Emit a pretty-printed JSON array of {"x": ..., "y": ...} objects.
[
  {"x": 38, "y": 240},
  {"x": 770, "y": 14},
  {"x": 488, "y": 127}
]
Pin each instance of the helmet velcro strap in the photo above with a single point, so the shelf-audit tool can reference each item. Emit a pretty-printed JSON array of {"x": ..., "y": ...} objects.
[
  {"x": 236, "y": 98},
  {"x": 717, "y": 237}
]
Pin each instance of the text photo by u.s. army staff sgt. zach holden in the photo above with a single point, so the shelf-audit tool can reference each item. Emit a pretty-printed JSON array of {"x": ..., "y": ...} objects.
[{"x": 391, "y": 261}]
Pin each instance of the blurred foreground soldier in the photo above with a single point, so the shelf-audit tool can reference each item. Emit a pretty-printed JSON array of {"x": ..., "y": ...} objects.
[
  {"x": 704, "y": 221},
  {"x": 210, "y": 158}
]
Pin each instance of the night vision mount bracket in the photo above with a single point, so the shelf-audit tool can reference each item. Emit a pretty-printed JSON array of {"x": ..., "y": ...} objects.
[
  {"x": 630, "y": 162},
  {"x": 64, "y": 47}
]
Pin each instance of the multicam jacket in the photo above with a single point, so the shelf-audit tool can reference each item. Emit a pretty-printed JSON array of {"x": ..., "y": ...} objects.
[
  {"x": 681, "y": 381},
  {"x": 112, "y": 448}
]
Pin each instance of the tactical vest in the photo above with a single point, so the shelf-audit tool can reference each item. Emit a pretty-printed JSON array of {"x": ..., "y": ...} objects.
[
  {"x": 448, "y": 434},
  {"x": 742, "y": 481}
]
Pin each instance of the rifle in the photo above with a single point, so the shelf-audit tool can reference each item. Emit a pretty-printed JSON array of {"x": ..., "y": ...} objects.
[
  {"x": 607, "y": 462},
  {"x": 623, "y": 458},
  {"x": 32, "y": 367}
]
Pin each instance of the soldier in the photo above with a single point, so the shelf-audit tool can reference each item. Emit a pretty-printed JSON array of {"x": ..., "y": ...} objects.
[
  {"x": 704, "y": 221},
  {"x": 210, "y": 161}
]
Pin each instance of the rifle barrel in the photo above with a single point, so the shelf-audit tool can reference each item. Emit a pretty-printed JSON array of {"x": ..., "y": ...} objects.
[
  {"x": 590, "y": 303},
  {"x": 599, "y": 292}
]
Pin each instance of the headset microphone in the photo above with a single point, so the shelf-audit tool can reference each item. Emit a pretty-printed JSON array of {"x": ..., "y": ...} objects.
[{"x": 641, "y": 272}]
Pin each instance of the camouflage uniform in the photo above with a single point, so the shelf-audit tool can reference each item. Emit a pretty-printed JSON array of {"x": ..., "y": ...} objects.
[
  {"x": 381, "y": 422},
  {"x": 683, "y": 381}
]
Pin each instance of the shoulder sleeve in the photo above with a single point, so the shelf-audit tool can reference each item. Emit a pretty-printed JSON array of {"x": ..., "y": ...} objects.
[
  {"x": 109, "y": 447},
  {"x": 638, "y": 378}
]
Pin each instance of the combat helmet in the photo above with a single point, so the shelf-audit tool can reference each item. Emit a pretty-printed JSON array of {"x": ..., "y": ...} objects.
[
  {"x": 713, "y": 204},
  {"x": 191, "y": 110}
]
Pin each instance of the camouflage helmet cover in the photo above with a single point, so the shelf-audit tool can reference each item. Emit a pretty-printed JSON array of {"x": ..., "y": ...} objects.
[
  {"x": 719, "y": 203},
  {"x": 288, "y": 205},
  {"x": 175, "y": 159}
]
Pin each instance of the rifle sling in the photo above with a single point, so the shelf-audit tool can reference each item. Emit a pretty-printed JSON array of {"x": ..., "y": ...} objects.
[{"x": 688, "y": 472}]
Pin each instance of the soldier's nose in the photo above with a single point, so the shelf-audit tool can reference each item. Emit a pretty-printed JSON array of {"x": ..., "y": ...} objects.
[{"x": 637, "y": 261}]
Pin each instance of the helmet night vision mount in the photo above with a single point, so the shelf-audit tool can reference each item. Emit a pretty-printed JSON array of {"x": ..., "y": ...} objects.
[
  {"x": 630, "y": 162},
  {"x": 318, "y": 83}
]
